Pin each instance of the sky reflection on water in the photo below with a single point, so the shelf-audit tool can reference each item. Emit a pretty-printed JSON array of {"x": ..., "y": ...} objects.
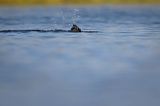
[{"x": 117, "y": 66}]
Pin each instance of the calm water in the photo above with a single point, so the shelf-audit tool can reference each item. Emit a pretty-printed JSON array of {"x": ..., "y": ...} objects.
[{"x": 117, "y": 66}]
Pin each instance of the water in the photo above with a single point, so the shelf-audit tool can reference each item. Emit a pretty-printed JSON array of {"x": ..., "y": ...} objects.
[{"x": 116, "y": 66}]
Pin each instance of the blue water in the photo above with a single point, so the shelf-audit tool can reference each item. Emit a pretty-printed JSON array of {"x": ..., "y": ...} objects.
[{"x": 118, "y": 65}]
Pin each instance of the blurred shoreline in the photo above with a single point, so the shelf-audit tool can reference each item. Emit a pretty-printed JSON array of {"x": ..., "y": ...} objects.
[
  {"x": 78, "y": 2},
  {"x": 78, "y": 5}
]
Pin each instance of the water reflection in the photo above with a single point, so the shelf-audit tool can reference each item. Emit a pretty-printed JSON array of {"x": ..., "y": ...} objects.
[{"x": 118, "y": 66}]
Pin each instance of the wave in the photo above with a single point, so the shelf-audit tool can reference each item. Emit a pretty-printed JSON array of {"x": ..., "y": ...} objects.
[{"x": 42, "y": 31}]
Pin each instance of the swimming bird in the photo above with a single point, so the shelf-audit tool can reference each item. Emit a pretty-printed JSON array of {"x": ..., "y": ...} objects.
[{"x": 75, "y": 28}]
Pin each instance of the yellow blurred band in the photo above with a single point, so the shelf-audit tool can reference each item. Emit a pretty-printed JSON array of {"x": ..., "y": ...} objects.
[{"x": 78, "y": 2}]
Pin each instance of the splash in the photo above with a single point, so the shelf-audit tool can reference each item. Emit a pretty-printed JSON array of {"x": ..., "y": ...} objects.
[
  {"x": 63, "y": 17},
  {"x": 76, "y": 16}
]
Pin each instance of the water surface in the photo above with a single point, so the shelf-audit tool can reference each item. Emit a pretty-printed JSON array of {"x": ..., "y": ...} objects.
[{"x": 116, "y": 66}]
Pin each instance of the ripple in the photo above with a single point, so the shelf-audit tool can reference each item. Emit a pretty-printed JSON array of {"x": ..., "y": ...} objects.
[{"x": 42, "y": 31}]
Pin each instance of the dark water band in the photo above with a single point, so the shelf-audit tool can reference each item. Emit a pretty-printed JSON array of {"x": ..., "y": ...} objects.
[{"x": 43, "y": 31}]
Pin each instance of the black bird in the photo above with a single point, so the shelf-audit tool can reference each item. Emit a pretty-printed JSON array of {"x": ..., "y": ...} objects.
[{"x": 75, "y": 28}]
